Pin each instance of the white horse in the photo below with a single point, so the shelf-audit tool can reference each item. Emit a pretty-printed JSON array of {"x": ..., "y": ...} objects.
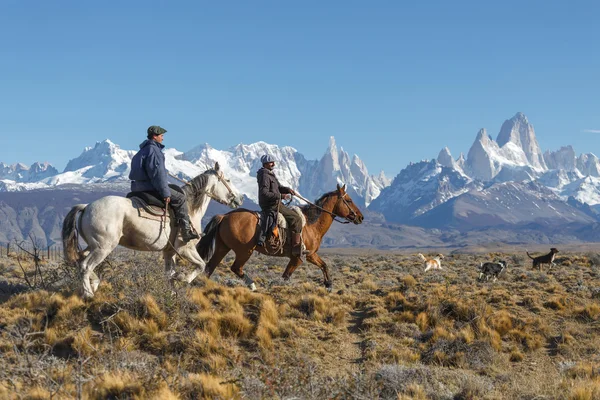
[{"x": 113, "y": 220}]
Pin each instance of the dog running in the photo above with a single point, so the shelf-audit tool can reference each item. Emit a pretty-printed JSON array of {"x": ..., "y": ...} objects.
[
  {"x": 431, "y": 263},
  {"x": 545, "y": 259},
  {"x": 491, "y": 269}
]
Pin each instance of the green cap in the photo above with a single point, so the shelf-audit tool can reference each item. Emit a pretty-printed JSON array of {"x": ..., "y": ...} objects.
[{"x": 156, "y": 130}]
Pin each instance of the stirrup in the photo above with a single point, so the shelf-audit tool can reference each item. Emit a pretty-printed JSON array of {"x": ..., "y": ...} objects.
[{"x": 189, "y": 235}]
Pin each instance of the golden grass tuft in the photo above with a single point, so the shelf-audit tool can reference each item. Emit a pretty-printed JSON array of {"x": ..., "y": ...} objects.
[
  {"x": 148, "y": 308},
  {"x": 409, "y": 281},
  {"x": 466, "y": 334},
  {"x": 490, "y": 335},
  {"x": 529, "y": 341},
  {"x": 84, "y": 342},
  {"x": 207, "y": 387},
  {"x": 422, "y": 321},
  {"x": 394, "y": 300},
  {"x": 501, "y": 321},
  {"x": 232, "y": 324},
  {"x": 116, "y": 385},
  {"x": 555, "y": 303},
  {"x": 312, "y": 306},
  {"x": 197, "y": 297},
  {"x": 516, "y": 356},
  {"x": 585, "y": 391},
  {"x": 589, "y": 313},
  {"x": 368, "y": 284},
  {"x": 38, "y": 393},
  {"x": 440, "y": 332},
  {"x": 583, "y": 370},
  {"x": 414, "y": 391},
  {"x": 163, "y": 393}
]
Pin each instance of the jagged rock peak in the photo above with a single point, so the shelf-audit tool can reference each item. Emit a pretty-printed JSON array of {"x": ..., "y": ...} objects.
[
  {"x": 564, "y": 158},
  {"x": 520, "y": 132},
  {"x": 589, "y": 165},
  {"x": 445, "y": 158}
]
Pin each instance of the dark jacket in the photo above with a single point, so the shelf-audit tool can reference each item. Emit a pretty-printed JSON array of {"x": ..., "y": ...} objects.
[
  {"x": 269, "y": 189},
  {"x": 148, "y": 171}
]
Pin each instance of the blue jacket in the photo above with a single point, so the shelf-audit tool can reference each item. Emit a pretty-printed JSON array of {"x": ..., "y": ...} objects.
[{"x": 148, "y": 171}]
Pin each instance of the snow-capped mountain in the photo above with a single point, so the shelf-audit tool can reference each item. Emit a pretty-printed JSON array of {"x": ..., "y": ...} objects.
[
  {"x": 419, "y": 188},
  {"x": 511, "y": 163},
  {"x": 507, "y": 204},
  {"x": 518, "y": 132},
  {"x": 22, "y": 173},
  {"x": 107, "y": 162}
]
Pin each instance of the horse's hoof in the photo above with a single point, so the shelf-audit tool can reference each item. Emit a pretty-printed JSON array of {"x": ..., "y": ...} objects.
[
  {"x": 329, "y": 289},
  {"x": 252, "y": 287}
]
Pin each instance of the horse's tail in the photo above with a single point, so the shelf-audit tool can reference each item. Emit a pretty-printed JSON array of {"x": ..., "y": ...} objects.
[
  {"x": 69, "y": 234},
  {"x": 206, "y": 245}
]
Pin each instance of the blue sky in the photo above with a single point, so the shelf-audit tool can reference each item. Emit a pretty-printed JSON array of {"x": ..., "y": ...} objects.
[{"x": 393, "y": 81}]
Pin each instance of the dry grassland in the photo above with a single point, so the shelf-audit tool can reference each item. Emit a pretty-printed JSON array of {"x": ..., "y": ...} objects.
[{"x": 388, "y": 330}]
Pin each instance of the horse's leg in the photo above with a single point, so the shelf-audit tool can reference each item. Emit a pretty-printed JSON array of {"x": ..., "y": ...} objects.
[
  {"x": 95, "y": 257},
  {"x": 315, "y": 259},
  {"x": 220, "y": 252},
  {"x": 291, "y": 267},
  {"x": 190, "y": 253},
  {"x": 169, "y": 258},
  {"x": 238, "y": 268},
  {"x": 95, "y": 281}
]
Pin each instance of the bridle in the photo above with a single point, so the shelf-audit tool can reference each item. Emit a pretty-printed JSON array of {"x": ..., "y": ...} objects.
[
  {"x": 348, "y": 218},
  {"x": 222, "y": 179}
]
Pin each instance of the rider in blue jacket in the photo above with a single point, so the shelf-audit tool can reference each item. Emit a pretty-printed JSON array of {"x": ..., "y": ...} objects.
[{"x": 149, "y": 174}]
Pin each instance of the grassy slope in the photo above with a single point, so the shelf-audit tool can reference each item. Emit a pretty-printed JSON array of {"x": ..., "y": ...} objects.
[{"x": 388, "y": 330}]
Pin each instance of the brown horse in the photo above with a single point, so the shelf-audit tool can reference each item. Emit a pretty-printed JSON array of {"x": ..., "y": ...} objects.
[{"x": 238, "y": 231}]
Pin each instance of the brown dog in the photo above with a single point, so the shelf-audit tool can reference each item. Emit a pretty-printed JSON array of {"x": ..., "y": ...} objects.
[{"x": 545, "y": 259}]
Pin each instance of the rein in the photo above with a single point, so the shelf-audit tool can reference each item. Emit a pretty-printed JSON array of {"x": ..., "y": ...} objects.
[{"x": 334, "y": 215}]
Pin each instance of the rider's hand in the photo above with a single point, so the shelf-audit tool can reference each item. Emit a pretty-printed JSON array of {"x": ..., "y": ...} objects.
[
  {"x": 167, "y": 199},
  {"x": 292, "y": 192}
]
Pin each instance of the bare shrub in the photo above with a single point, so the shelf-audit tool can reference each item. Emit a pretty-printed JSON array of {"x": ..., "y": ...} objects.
[{"x": 437, "y": 383}]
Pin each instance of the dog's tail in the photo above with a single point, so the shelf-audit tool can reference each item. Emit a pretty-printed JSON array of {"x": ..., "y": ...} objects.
[
  {"x": 528, "y": 254},
  {"x": 422, "y": 257}
]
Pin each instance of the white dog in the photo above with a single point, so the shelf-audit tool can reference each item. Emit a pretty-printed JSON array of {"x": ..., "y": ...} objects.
[{"x": 431, "y": 263}]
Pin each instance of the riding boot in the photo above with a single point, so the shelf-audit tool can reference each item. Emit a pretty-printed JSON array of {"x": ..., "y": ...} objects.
[
  {"x": 296, "y": 244},
  {"x": 185, "y": 228}
]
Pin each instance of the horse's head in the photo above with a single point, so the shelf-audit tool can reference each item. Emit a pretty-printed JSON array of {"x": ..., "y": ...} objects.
[
  {"x": 345, "y": 207},
  {"x": 222, "y": 190}
]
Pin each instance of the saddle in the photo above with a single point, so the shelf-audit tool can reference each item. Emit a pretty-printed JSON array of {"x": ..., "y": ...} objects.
[
  {"x": 278, "y": 235},
  {"x": 150, "y": 206}
]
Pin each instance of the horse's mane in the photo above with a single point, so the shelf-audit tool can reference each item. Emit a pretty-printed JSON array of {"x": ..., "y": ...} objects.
[
  {"x": 313, "y": 213},
  {"x": 194, "y": 188}
]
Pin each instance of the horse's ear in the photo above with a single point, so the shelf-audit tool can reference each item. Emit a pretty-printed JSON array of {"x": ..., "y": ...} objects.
[
  {"x": 217, "y": 166},
  {"x": 338, "y": 187},
  {"x": 341, "y": 189}
]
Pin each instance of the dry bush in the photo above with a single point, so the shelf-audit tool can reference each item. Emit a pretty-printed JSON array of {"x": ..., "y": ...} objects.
[{"x": 445, "y": 337}]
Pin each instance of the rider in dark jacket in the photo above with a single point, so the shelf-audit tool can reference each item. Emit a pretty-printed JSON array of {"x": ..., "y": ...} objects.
[
  {"x": 270, "y": 193},
  {"x": 149, "y": 174}
]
